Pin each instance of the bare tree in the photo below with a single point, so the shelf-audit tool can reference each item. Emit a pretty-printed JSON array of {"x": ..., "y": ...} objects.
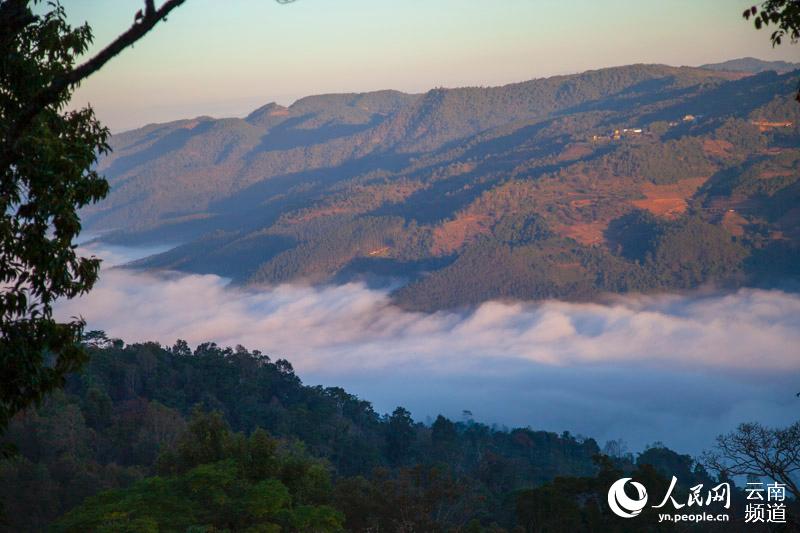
[{"x": 755, "y": 450}]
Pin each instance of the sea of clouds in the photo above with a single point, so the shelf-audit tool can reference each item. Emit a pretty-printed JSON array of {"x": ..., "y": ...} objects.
[{"x": 673, "y": 368}]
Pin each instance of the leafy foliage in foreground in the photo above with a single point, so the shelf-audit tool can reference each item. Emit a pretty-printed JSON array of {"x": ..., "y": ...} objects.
[
  {"x": 46, "y": 175},
  {"x": 221, "y": 481}
]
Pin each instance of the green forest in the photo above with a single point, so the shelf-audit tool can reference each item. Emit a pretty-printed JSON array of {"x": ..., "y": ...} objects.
[{"x": 149, "y": 438}]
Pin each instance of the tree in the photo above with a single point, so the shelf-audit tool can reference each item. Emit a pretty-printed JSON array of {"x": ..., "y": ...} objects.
[
  {"x": 754, "y": 450},
  {"x": 216, "y": 480},
  {"x": 579, "y": 503},
  {"x": 46, "y": 175},
  {"x": 783, "y": 14},
  {"x": 399, "y": 435}
]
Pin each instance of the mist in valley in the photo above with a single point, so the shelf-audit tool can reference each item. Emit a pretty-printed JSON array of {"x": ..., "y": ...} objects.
[{"x": 673, "y": 368}]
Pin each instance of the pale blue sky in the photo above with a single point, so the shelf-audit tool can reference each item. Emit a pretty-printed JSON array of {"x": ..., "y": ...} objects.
[{"x": 224, "y": 58}]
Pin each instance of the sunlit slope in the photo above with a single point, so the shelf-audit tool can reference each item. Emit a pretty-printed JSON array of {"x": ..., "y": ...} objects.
[{"x": 635, "y": 178}]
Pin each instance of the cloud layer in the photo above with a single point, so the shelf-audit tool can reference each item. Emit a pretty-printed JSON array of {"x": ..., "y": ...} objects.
[{"x": 674, "y": 368}]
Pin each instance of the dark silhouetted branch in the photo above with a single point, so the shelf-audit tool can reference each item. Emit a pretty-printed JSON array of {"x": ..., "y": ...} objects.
[{"x": 50, "y": 95}]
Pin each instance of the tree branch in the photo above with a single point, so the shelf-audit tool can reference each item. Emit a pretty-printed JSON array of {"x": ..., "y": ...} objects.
[
  {"x": 50, "y": 94},
  {"x": 135, "y": 32}
]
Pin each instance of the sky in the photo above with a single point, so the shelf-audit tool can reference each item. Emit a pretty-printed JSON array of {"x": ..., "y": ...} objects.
[
  {"x": 680, "y": 369},
  {"x": 227, "y": 58}
]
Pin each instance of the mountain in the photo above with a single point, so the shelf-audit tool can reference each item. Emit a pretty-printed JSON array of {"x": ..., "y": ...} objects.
[
  {"x": 752, "y": 65},
  {"x": 635, "y": 178},
  {"x": 147, "y": 438}
]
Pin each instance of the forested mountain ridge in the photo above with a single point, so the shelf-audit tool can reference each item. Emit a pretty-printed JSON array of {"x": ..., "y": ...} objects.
[
  {"x": 752, "y": 65},
  {"x": 149, "y": 438},
  {"x": 636, "y": 178}
]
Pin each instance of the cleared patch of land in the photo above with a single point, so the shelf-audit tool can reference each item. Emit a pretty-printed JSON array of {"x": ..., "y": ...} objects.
[{"x": 669, "y": 200}]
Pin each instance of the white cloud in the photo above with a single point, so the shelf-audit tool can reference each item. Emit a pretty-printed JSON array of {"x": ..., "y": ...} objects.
[{"x": 673, "y": 368}]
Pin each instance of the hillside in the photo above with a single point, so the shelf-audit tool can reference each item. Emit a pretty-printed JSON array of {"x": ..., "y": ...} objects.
[
  {"x": 147, "y": 438},
  {"x": 636, "y": 178}
]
